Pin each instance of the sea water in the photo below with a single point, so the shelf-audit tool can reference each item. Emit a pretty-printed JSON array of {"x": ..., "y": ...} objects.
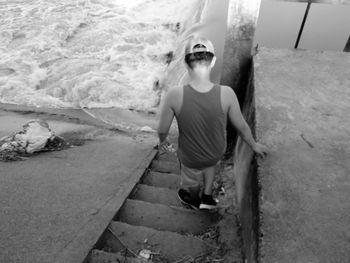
[
  {"x": 87, "y": 53},
  {"x": 326, "y": 26}
]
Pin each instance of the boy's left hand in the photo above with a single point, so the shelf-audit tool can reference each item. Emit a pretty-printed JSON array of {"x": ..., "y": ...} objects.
[{"x": 260, "y": 150}]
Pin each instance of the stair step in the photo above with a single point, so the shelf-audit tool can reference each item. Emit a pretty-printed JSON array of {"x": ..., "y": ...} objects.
[
  {"x": 99, "y": 256},
  {"x": 158, "y": 195},
  {"x": 171, "y": 246},
  {"x": 165, "y": 180},
  {"x": 165, "y": 167},
  {"x": 162, "y": 217}
]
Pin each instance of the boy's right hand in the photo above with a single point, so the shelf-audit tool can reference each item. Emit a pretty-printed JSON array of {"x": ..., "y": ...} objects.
[{"x": 166, "y": 146}]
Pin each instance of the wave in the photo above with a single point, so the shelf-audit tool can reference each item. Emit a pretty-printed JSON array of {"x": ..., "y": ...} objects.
[{"x": 88, "y": 53}]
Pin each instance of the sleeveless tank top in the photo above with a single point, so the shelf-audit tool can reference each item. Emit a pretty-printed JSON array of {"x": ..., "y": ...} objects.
[{"x": 202, "y": 128}]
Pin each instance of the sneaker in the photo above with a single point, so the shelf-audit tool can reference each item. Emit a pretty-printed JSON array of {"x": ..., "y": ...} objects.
[
  {"x": 186, "y": 199},
  {"x": 208, "y": 203}
]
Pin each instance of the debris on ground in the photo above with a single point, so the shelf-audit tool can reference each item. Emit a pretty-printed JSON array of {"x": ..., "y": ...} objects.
[
  {"x": 36, "y": 136},
  {"x": 145, "y": 254}
]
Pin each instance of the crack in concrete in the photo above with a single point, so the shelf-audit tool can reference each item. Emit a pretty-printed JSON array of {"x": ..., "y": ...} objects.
[{"x": 307, "y": 142}]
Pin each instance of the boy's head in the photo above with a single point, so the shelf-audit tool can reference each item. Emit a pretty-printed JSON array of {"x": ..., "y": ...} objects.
[{"x": 199, "y": 51}]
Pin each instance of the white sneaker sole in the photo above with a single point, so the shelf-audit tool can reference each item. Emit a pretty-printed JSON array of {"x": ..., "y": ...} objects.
[
  {"x": 189, "y": 206},
  {"x": 185, "y": 204},
  {"x": 207, "y": 207}
]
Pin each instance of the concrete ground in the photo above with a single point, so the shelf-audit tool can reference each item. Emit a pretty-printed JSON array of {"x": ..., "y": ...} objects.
[
  {"x": 55, "y": 205},
  {"x": 302, "y": 114}
]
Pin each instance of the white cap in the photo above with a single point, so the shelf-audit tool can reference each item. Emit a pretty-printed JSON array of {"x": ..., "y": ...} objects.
[{"x": 199, "y": 45}]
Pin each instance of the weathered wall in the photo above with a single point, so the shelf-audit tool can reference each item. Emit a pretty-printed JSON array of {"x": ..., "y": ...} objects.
[
  {"x": 244, "y": 172},
  {"x": 242, "y": 18},
  {"x": 241, "y": 24},
  {"x": 237, "y": 73}
]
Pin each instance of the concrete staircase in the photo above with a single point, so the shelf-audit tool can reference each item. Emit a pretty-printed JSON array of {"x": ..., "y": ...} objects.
[{"x": 153, "y": 219}]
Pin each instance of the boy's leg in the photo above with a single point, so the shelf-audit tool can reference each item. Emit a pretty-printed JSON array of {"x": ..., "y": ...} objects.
[
  {"x": 207, "y": 201},
  {"x": 191, "y": 182},
  {"x": 209, "y": 175}
]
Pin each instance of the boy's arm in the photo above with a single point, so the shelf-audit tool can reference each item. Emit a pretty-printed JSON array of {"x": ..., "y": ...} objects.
[
  {"x": 166, "y": 117},
  {"x": 237, "y": 120}
]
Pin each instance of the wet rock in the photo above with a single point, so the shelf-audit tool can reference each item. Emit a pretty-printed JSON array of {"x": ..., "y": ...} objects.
[{"x": 36, "y": 136}]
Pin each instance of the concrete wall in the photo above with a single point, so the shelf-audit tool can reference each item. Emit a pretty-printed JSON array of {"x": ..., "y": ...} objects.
[
  {"x": 245, "y": 175},
  {"x": 241, "y": 23},
  {"x": 237, "y": 73},
  {"x": 302, "y": 114}
]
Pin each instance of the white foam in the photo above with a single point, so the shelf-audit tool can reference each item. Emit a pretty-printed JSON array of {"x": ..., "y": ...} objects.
[{"x": 86, "y": 53}]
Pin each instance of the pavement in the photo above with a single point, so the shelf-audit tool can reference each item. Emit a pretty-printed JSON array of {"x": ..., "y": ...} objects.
[
  {"x": 55, "y": 205},
  {"x": 302, "y": 114}
]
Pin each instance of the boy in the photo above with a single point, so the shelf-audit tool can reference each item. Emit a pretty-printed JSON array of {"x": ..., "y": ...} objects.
[{"x": 201, "y": 109}]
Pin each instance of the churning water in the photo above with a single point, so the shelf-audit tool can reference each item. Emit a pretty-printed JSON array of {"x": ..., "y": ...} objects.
[{"x": 87, "y": 53}]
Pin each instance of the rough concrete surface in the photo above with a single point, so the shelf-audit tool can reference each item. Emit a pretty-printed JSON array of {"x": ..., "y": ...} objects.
[
  {"x": 244, "y": 171},
  {"x": 55, "y": 205},
  {"x": 302, "y": 114}
]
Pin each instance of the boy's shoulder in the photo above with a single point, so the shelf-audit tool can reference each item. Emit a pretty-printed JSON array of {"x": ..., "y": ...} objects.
[
  {"x": 227, "y": 91},
  {"x": 226, "y": 88},
  {"x": 174, "y": 96},
  {"x": 175, "y": 91},
  {"x": 228, "y": 96}
]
